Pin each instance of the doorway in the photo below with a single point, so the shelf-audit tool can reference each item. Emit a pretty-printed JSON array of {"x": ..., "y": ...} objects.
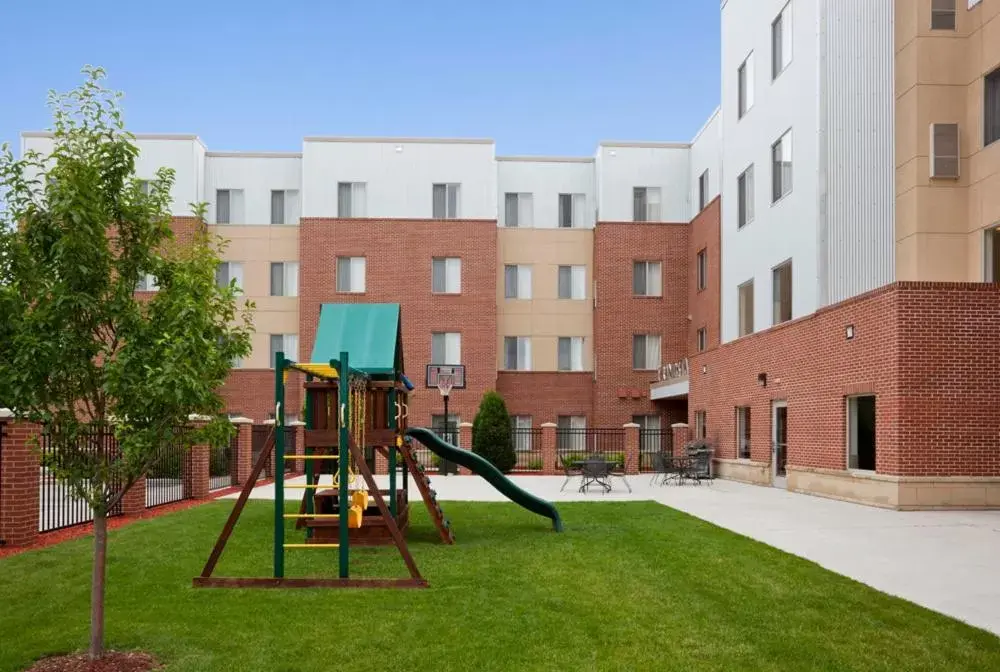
[{"x": 779, "y": 443}]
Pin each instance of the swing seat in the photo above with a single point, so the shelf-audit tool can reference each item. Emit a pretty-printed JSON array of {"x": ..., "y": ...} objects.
[{"x": 354, "y": 515}]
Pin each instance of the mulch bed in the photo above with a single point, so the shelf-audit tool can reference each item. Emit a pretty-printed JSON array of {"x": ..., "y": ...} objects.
[{"x": 113, "y": 661}]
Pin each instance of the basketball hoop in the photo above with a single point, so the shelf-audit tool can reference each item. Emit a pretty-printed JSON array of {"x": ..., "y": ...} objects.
[{"x": 445, "y": 381}]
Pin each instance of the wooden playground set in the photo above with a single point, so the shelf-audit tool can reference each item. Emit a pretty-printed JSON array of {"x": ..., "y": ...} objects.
[{"x": 355, "y": 399}]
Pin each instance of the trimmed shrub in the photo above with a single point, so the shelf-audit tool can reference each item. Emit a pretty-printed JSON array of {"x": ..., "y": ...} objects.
[{"x": 491, "y": 433}]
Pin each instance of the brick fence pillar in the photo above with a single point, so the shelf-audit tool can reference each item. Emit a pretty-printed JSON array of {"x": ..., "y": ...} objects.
[
  {"x": 549, "y": 465},
  {"x": 195, "y": 471},
  {"x": 18, "y": 483},
  {"x": 243, "y": 459},
  {"x": 631, "y": 448},
  {"x": 464, "y": 442},
  {"x": 299, "y": 466},
  {"x": 134, "y": 501},
  {"x": 680, "y": 435}
]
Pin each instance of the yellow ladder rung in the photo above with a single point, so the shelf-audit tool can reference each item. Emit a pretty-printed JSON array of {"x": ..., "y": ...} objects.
[
  {"x": 311, "y": 545},
  {"x": 312, "y": 457},
  {"x": 312, "y": 515}
]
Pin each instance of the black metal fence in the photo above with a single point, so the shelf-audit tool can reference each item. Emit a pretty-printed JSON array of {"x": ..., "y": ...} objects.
[
  {"x": 164, "y": 479},
  {"x": 528, "y": 448},
  {"x": 573, "y": 444},
  {"x": 653, "y": 442},
  {"x": 428, "y": 459},
  {"x": 290, "y": 442},
  {"x": 222, "y": 464},
  {"x": 59, "y": 505},
  {"x": 258, "y": 439}
]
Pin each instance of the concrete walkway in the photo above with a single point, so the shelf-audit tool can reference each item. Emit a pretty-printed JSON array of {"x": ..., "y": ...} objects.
[{"x": 946, "y": 561}]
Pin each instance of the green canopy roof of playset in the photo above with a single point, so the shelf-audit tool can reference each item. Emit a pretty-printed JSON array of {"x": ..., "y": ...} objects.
[{"x": 370, "y": 332}]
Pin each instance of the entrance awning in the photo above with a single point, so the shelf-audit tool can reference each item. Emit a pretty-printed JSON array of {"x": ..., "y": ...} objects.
[{"x": 668, "y": 389}]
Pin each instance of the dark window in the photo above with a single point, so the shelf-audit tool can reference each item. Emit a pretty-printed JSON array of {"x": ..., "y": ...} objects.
[
  {"x": 781, "y": 286},
  {"x": 991, "y": 108},
  {"x": 743, "y": 433},
  {"x": 943, "y": 14},
  {"x": 702, "y": 339},
  {"x": 861, "y": 432},
  {"x": 702, "y": 266},
  {"x": 702, "y": 191},
  {"x": 277, "y": 207}
]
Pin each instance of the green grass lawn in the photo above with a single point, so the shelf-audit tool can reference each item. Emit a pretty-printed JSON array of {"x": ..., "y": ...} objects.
[{"x": 628, "y": 586}]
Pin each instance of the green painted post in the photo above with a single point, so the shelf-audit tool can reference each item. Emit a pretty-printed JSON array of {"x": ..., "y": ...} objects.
[
  {"x": 344, "y": 415},
  {"x": 310, "y": 504},
  {"x": 279, "y": 465},
  {"x": 392, "y": 454}
]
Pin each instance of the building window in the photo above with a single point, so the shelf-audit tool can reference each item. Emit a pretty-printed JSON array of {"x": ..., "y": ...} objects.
[
  {"x": 744, "y": 83},
  {"x": 284, "y": 206},
  {"x": 943, "y": 14},
  {"x": 521, "y": 424},
  {"x": 650, "y": 436},
  {"x": 351, "y": 274},
  {"x": 702, "y": 269},
  {"x": 449, "y": 430},
  {"x": 570, "y": 353},
  {"x": 352, "y": 200},
  {"x": 148, "y": 283},
  {"x": 286, "y": 343},
  {"x": 781, "y": 42},
  {"x": 516, "y": 281},
  {"x": 702, "y": 191},
  {"x": 517, "y": 353},
  {"x": 570, "y": 435},
  {"x": 861, "y": 432},
  {"x": 285, "y": 278},
  {"x": 744, "y": 198},
  {"x": 647, "y": 278},
  {"x": 700, "y": 424},
  {"x": 145, "y": 187},
  {"x": 228, "y": 272},
  {"x": 702, "y": 339},
  {"x": 571, "y": 210},
  {"x": 781, "y": 167},
  {"x": 573, "y": 282},
  {"x": 518, "y": 210},
  {"x": 446, "y": 348},
  {"x": 646, "y": 204},
  {"x": 991, "y": 108},
  {"x": 745, "y": 306},
  {"x": 781, "y": 286},
  {"x": 743, "y": 433},
  {"x": 445, "y": 198},
  {"x": 446, "y": 275},
  {"x": 229, "y": 206},
  {"x": 645, "y": 352},
  {"x": 992, "y": 247}
]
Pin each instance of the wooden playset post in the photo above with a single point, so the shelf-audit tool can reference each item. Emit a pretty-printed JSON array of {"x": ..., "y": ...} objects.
[
  {"x": 344, "y": 438},
  {"x": 279, "y": 465}
]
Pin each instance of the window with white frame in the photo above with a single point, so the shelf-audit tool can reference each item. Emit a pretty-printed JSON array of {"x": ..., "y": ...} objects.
[
  {"x": 448, "y": 431},
  {"x": 351, "y": 274},
  {"x": 285, "y": 278},
  {"x": 991, "y": 108},
  {"x": 352, "y": 200},
  {"x": 228, "y": 272},
  {"x": 521, "y": 424},
  {"x": 147, "y": 283},
  {"x": 701, "y": 266},
  {"x": 745, "y": 307},
  {"x": 700, "y": 424},
  {"x": 650, "y": 436},
  {"x": 445, "y": 200},
  {"x": 744, "y": 84},
  {"x": 944, "y": 14},
  {"x": 572, "y": 210},
  {"x": 781, "y": 293},
  {"x": 145, "y": 187},
  {"x": 570, "y": 351},
  {"x": 446, "y": 275},
  {"x": 743, "y": 432},
  {"x": 573, "y": 282},
  {"x": 646, "y": 204},
  {"x": 286, "y": 343},
  {"x": 517, "y": 353},
  {"x": 570, "y": 434},
  {"x": 781, "y": 167},
  {"x": 647, "y": 278},
  {"x": 781, "y": 41},
  {"x": 701, "y": 339},
  {"x": 645, "y": 352},
  {"x": 702, "y": 191},
  {"x": 446, "y": 348},
  {"x": 516, "y": 281},
  {"x": 744, "y": 198},
  {"x": 229, "y": 206},
  {"x": 518, "y": 210},
  {"x": 284, "y": 206},
  {"x": 991, "y": 266}
]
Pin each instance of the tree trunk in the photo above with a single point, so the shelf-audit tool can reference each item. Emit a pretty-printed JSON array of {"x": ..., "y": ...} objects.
[{"x": 97, "y": 585}]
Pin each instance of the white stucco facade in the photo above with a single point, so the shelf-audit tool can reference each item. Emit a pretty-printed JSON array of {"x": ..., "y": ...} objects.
[
  {"x": 545, "y": 179},
  {"x": 256, "y": 175},
  {"x": 623, "y": 166},
  {"x": 706, "y": 158}
]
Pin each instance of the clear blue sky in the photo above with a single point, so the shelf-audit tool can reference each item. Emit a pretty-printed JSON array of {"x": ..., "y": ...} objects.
[{"x": 540, "y": 77}]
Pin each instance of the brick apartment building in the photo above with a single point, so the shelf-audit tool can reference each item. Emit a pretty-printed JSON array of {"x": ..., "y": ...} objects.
[{"x": 810, "y": 283}]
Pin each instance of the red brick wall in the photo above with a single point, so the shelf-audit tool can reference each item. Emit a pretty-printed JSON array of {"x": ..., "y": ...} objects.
[
  {"x": 919, "y": 347},
  {"x": 398, "y": 268},
  {"x": 619, "y": 315},
  {"x": 704, "y": 304},
  {"x": 184, "y": 228},
  {"x": 546, "y": 395},
  {"x": 250, "y": 392}
]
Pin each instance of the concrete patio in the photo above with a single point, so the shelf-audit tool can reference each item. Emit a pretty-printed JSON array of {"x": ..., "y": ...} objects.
[{"x": 946, "y": 561}]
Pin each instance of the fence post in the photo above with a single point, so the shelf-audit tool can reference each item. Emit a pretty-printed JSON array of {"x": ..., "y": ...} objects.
[
  {"x": 680, "y": 434},
  {"x": 299, "y": 466},
  {"x": 134, "y": 501},
  {"x": 465, "y": 443},
  {"x": 195, "y": 471},
  {"x": 243, "y": 459},
  {"x": 19, "y": 472},
  {"x": 631, "y": 448},
  {"x": 549, "y": 465}
]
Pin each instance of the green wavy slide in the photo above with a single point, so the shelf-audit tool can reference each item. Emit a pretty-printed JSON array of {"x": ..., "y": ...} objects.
[{"x": 493, "y": 476}]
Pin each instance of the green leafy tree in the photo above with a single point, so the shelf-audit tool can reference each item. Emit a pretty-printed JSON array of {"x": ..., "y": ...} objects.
[
  {"x": 492, "y": 437},
  {"x": 83, "y": 353}
]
